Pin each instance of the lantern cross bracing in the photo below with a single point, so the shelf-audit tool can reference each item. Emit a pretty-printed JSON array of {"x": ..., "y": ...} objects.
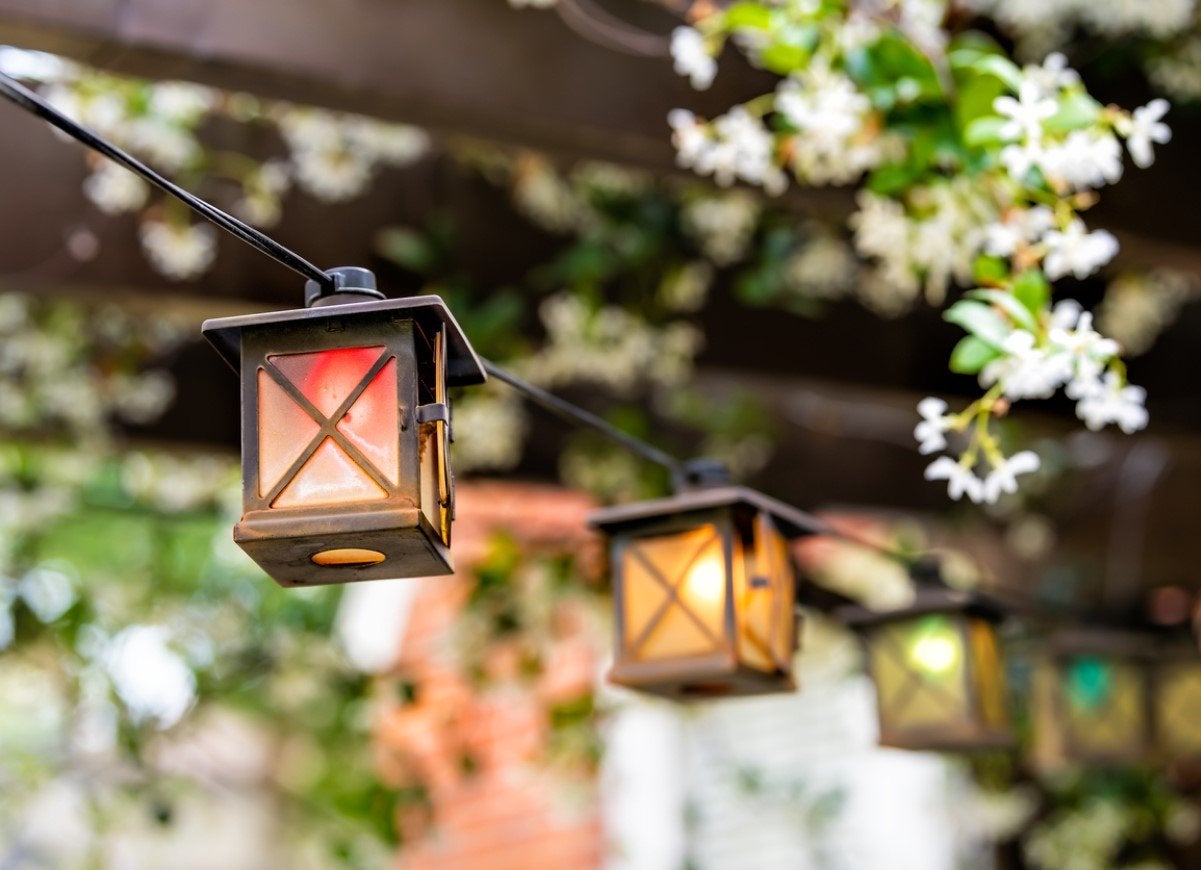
[{"x": 345, "y": 429}]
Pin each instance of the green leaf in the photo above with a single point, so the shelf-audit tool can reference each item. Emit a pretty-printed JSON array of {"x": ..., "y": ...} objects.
[
  {"x": 985, "y": 131},
  {"x": 1000, "y": 67},
  {"x": 990, "y": 270},
  {"x": 894, "y": 177},
  {"x": 1076, "y": 110},
  {"x": 1033, "y": 291},
  {"x": 1008, "y": 303},
  {"x": 979, "y": 320},
  {"x": 971, "y": 355},
  {"x": 748, "y": 15},
  {"x": 784, "y": 59}
]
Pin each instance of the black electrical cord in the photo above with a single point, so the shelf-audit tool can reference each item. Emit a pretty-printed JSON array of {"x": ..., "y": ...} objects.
[
  {"x": 31, "y": 102},
  {"x": 574, "y": 414}
]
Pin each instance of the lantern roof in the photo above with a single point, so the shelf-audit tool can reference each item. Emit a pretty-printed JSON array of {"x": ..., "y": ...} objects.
[
  {"x": 463, "y": 367},
  {"x": 926, "y": 600},
  {"x": 792, "y": 523}
]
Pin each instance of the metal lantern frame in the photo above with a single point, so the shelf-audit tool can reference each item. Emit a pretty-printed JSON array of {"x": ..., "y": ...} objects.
[
  {"x": 983, "y": 720},
  {"x": 405, "y": 530},
  {"x": 1134, "y": 652},
  {"x": 738, "y": 515}
]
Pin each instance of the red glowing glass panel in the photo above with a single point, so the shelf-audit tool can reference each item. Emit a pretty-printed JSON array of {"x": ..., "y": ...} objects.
[
  {"x": 284, "y": 431},
  {"x": 373, "y": 423},
  {"x": 327, "y": 377},
  {"x": 329, "y": 477}
]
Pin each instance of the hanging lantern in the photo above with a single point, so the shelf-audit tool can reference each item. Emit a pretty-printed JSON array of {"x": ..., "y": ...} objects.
[
  {"x": 704, "y": 591},
  {"x": 1093, "y": 704},
  {"x": 938, "y": 671},
  {"x": 1176, "y": 704},
  {"x": 345, "y": 428}
]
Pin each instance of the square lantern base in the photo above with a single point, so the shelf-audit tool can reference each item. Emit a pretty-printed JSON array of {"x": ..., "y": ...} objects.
[
  {"x": 711, "y": 678},
  {"x": 376, "y": 545},
  {"x": 965, "y": 738}
]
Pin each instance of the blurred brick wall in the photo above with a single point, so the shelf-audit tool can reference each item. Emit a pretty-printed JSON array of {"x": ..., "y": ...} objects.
[{"x": 507, "y": 812}]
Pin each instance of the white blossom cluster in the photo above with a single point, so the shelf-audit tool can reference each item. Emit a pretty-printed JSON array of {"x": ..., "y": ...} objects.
[
  {"x": 1087, "y": 839},
  {"x": 928, "y": 242},
  {"x": 608, "y": 345},
  {"x": 332, "y": 156},
  {"x": 836, "y": 141},
  {"x": 47, "y": 379},
  {"x": 722, "y": 224},
  {"x": 489, "y": 427},
  {"x": 1042, "y": 23},
  {"x": 736, "y": 146}
]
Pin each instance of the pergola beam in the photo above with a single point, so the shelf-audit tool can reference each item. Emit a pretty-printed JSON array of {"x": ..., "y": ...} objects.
[{"x": 458, "y": 67}]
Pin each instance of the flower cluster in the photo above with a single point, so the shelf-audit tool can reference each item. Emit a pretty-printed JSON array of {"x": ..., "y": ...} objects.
[
  {"x": 977, "y": 172},
  {"x": 331, "y": 155}
]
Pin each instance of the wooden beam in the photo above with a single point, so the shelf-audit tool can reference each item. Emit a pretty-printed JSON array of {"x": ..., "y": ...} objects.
[{"x": 457, "y": 67}]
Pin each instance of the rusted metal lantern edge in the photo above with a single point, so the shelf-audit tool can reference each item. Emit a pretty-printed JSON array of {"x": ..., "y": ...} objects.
[
  {"x": 722, "y": 672},
  {"x": 977, "y": 730},
  {"x": 463, "y": 366}
]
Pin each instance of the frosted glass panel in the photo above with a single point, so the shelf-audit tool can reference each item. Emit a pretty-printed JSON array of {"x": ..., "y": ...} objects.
[{"x": 284, "y": 431}]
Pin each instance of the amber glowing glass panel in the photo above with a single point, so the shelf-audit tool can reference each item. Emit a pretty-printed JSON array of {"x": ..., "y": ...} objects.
[
  {"x": 988, "y": 672},
  {"x": 1103, "y": 706},
  {"x": 433, "y": 452},
  {"x": 1178, "y": 709},
  {"x": 764, "y": 593},
  {"x": 674, "y": 594},
  {"x": 327, "y": 377},
  {"x": 329, "y": 477},
  {"x": 284, "y": 431},
  {"x": 372, "y": 423},
  {"x": 920, "y": 673}
]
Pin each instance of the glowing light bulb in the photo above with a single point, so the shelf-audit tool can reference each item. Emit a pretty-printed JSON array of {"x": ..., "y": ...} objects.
[
  {"x": 705, "y": 585},
  {"x": 935, "y": 648},
  {"x": 1090, "y": 681}
]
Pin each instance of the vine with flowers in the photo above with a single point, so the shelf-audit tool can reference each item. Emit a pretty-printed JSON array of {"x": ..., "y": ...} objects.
[{"x": 974, "y": 171}]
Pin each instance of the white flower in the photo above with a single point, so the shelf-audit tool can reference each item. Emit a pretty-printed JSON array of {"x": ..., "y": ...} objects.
[
  {"x": 393, "y": 144},
  {"x": 960, "y": 480},
  {"x": 1144, "y": 128},
  {"x": 151, "y": 680},
  {"x": 723, "y": 224},
  {"x": 165, "y": 145},
  {"x": 180, "y": 101},
  {"x": 1026, "y": 114},
  {"x": 179, "y": 252},
  {"x": 48, "y": 593},
  {"x": 691, "y": 58},
  {"x": 742, "y": 148},
  {"x": 332, "y": 174},
  {"x": 1053, "y": 75},
  {"x": 830, "y": 113},
  {"x": 114, "y": 189},
  {"x": 1003, "y": 477},
  {"x": 1026, "y": 371},
  {"x": 1086, "y": 158},
  {"x": 1088, "y": 349},
  {"x": 736, "y": 145},
  {"x": 689, "y": 135},
  {"x": 935, "y": 422},
  {"x": 1019, "y": 228},
  {"x": 1077, "y": 251},
  {"x": 1020, "y": 159},
  {"x": 1112, "y": 402}
]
